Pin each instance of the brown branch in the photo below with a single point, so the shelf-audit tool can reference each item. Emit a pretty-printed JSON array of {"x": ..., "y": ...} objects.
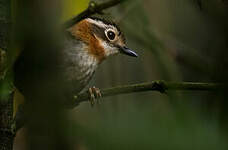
[
  {"x": 92, "y": 9},
  {"x": 160, "y": 86}
]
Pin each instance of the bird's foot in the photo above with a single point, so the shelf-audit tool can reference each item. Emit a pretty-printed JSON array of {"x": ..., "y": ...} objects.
[{"x": 95, "y": 94}]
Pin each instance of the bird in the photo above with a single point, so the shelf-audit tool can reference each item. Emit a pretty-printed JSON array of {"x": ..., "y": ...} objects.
[{"x": 86, "y": 45}]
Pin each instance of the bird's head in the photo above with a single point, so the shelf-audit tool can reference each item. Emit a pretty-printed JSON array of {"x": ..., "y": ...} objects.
[{"x": 102, "y": 38}]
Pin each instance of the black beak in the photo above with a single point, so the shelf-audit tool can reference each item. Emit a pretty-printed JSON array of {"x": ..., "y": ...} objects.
[{"x": 127, "y": 51}]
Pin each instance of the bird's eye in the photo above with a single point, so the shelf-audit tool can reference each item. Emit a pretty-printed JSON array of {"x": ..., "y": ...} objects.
[{"x": 111, "y": 35}]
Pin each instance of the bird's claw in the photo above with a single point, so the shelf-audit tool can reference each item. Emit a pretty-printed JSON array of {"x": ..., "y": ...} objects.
[{"x": 95, "y": 94}]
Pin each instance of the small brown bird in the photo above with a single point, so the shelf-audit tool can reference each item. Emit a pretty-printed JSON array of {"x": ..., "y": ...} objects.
[{"x": 86, "y": 45}]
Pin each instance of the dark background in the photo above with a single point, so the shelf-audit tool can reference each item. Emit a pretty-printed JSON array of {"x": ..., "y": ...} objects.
[{"x": 177, "y": 40}]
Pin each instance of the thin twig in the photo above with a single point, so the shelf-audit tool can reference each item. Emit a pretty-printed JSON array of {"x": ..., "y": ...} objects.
[
  {"x": 160, "y": 86},
  {"x": 93, "y": 8}
]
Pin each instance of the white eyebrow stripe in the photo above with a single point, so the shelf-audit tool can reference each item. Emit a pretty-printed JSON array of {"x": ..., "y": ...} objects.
[{"x": 99, "y": 23}]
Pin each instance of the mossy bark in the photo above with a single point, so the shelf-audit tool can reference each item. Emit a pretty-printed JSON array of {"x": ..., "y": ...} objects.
[{"x": 6, "y": 95}]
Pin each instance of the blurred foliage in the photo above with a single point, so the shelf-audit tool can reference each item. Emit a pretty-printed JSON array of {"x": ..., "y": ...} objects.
[
  {"x": 73, "y": 7},
  {"x": 6, "y": 87},
  {"x": 70, "y": 8},
  {"x": 146, "y": 129}
]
